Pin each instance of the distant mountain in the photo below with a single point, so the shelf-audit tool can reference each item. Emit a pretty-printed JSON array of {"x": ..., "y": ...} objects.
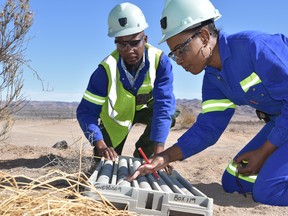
[
  {"x": 242, "y": 113},
  {"x": 48, "y": 110},
  {"x": 67, "y": 110}
]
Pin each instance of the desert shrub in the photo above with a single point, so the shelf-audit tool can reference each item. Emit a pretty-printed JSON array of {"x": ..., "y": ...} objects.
[
  {"x": 186, "y": 118},
  {"x": 15, "y": 22}
]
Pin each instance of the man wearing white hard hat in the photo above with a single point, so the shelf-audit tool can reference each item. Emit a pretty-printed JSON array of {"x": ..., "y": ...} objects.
[{"x": 131, "y": 85}]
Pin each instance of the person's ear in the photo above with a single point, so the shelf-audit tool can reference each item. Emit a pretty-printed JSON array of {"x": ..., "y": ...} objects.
[
  {"x": 205, "y": 36},
  {"x": 146, "y": 38}
]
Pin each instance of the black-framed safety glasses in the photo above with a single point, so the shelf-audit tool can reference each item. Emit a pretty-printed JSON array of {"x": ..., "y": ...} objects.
[
  {"x": 122, "y": 45},
  {"x": 180, "y": 50}
]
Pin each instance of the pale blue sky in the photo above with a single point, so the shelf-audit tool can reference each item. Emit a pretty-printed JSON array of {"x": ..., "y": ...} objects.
[{"x": 70, "y": 39}]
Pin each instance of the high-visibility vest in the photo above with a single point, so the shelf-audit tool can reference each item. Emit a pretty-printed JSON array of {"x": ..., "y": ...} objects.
[{"x": 120, "y": 105}]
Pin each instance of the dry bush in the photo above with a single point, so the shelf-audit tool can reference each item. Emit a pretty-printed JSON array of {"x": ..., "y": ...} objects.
[
  {"x": 15, "y": 21},
  {"x": 186, "y": 119}
]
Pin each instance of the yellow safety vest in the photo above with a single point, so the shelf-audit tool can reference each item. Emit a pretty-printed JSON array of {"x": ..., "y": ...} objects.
[{"x": 119, "y": 106}]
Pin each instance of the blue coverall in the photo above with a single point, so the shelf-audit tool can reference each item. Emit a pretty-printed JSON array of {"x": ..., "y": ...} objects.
[
  {"x": 242, "y": 55},
  {"x": 163, "y": 106}
]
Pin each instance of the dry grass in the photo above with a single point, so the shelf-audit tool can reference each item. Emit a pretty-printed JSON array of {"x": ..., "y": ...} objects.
[
  {"x": 40, "y": 197},
  {"x": 54, "y": 193}
]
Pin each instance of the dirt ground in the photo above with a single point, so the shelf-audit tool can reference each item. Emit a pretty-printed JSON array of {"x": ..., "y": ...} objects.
[{"x": 28, "y": 151}]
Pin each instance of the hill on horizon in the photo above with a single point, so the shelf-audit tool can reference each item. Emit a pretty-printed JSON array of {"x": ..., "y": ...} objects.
[{"x": 67, "y": 110}]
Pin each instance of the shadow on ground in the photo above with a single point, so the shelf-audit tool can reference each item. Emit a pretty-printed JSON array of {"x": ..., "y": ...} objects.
[{"x": 215, "y": 190}]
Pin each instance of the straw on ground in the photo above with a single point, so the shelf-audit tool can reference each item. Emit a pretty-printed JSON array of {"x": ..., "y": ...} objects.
[{"x": 40, "y": 197}]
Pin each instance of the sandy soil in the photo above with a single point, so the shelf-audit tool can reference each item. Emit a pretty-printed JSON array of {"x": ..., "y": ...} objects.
[{"x": 28, "y": 151}]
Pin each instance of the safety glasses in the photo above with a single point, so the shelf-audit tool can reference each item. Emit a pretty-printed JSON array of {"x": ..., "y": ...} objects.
[
  {"x": 182, "y": 49},
  {"x": 123, "y": 45}
]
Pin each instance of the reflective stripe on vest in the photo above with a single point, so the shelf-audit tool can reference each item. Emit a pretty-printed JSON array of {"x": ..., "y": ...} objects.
[
  {"x": 93, "y": 98},
  {"x": 112, "y": 94},
  {"x": 232, "y": 169},
  {"x": 253, "y": 79},
  {"x": 153, "y": 64},
  {"x": 217, "y": 105},
  {"x": 148, "y": 83}
]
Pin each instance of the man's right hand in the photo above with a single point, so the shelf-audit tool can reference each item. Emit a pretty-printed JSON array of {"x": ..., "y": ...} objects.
[{"x": 104, "y": 151}]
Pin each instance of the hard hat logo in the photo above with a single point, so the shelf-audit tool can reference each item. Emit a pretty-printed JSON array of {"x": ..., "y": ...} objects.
[
  {"x": 122, "y": 21},
  {"x": 163, "y": 23},
  {"x": 126, "y": 19}
]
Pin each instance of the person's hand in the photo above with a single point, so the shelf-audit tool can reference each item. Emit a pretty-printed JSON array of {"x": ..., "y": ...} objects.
[
  {"x": 159, "y": 148},
  {"x": 157, "y": 162},
  {"x": 168, "y": 169},
  {"x": 254, "y": 160},
  {"x": 249, "y": 163},
  {"x": 106, "y": 152}
]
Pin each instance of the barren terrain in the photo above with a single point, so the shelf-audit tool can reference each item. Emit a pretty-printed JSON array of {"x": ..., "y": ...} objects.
[{"x": 28, "y": 151}]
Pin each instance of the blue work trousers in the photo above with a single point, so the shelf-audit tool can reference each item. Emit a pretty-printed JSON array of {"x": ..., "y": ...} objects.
[{"x": 271, "y": 184}]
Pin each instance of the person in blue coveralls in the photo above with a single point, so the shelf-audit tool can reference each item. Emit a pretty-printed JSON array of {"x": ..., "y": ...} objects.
[
  {"x": 134, "y": 84},
  {"x": 246, "y": 68}
]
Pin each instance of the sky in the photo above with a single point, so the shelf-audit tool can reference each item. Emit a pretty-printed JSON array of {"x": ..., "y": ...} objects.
[{"x": 69, "y": 39}]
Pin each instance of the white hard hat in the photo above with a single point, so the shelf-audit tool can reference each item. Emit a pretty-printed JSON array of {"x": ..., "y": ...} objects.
[
  {"x": 179, "y": 15},
  {"x": 125, "y": 19}
]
